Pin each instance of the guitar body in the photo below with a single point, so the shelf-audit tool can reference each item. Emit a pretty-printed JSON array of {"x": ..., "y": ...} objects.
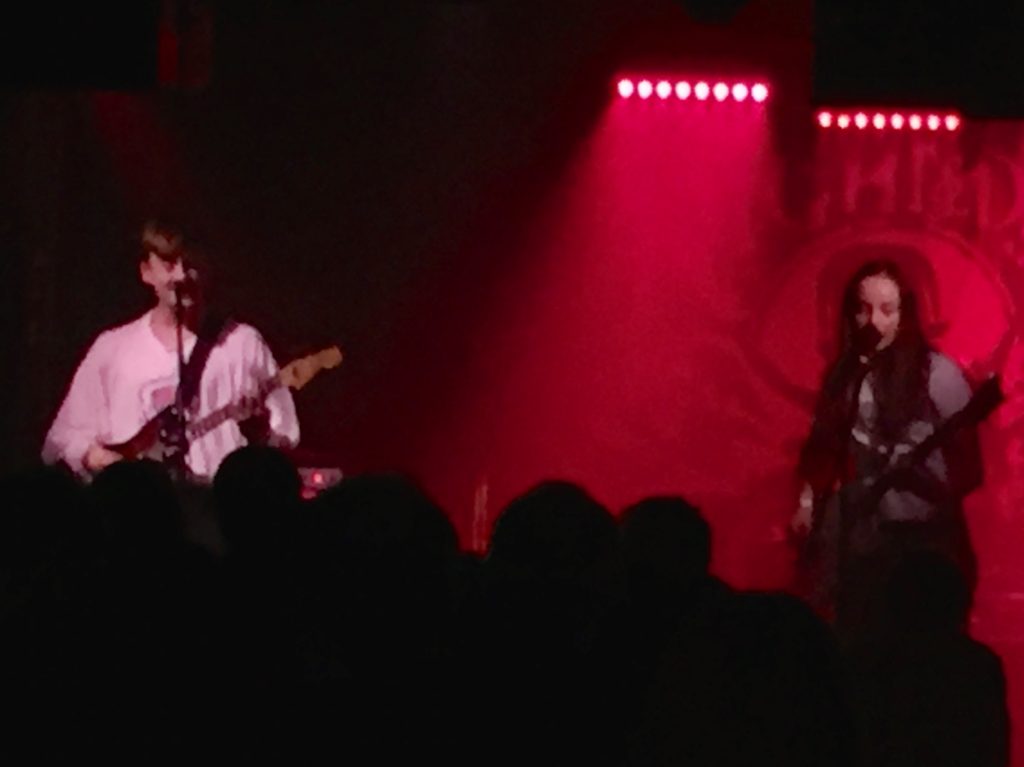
[
  {"x": 846, "y": 523},
  {"x": 153, "y": 441}
]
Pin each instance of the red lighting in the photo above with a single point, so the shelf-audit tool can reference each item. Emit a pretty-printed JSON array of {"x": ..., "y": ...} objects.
[
  {"x": 318, "y": 478},
  {"x": 932, "y": 121},
  {"x": 704, "y": 90}
]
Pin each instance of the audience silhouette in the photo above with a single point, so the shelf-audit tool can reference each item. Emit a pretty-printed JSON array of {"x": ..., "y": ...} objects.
[{"x": 352, "y": 624}]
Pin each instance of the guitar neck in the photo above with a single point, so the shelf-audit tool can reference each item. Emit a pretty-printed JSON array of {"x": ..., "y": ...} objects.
[
  {"x": 235, "y": 411},
  {"x": 970, "y": 414},
  {"x": 937, "y": 438}
]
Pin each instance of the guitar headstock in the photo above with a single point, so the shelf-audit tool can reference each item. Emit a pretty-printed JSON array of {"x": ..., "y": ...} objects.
[{"x": 300, "y": 372}]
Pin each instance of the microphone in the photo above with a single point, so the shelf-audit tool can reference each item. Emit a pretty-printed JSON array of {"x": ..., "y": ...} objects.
[
  {"x": 185, "y": 289},
  {"x": 865, "y": 342},
  {"x": 856, "y": 361}
]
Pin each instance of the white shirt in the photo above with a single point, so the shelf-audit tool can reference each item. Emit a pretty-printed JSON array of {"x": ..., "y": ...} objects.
[{"x": 128, "y": 376}]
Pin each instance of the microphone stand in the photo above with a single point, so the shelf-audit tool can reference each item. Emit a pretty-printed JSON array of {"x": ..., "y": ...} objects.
[
  {"x": 179, "y": 439},
  {"x": 850, "y": 511}
]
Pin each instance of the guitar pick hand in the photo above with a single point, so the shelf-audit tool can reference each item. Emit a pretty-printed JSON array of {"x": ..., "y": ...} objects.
[{"x": 98, "y": 458}]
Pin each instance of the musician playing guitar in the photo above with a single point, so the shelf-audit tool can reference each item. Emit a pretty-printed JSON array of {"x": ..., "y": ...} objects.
[
  {"x": 129, "y": 377},
  {"x": 887, "y": 392}
]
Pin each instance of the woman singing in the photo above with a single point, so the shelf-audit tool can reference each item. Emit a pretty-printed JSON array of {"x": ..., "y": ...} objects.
[{"x": 886, "y": 392}]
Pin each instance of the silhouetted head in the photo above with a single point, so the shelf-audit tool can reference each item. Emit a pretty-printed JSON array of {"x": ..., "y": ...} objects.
[
  {"x": 40, "y": 507},
  {"x": 666, "y": 538},
  {"x": 555, "y": 529},
  {"x": 927, "y": 592},
  {"x": 389, "y": 517},
  {"x": 257, "y": 491},
  {"x": 138, "y": 506}
]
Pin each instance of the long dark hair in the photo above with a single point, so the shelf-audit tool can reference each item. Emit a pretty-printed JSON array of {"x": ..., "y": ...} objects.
[
  {"x": 901, "y": 369},
  {"x": 900, "y": 380}
]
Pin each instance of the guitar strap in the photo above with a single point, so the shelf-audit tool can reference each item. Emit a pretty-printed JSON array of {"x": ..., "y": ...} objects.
[{"x": 211, "y": 331}]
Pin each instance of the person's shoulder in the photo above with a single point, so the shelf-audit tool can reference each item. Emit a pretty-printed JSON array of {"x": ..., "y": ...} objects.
[
  {"x": 944, "y": 366},
  {"x": 117, "y": 334},
  {"x": 242, "y": 332},
  {"x": 241, "y": 337}
]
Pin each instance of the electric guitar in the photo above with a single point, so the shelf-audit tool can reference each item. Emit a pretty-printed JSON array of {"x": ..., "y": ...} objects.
[
  {"x": 858, "y": 501},
  {"x": 155, "y": 440},
  {"x": 868, "y": 493}
]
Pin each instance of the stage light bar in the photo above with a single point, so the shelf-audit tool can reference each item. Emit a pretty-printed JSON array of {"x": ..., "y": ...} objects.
[
  {"x": 879, "y": 121},
  {"x": 683, "y": 90}
]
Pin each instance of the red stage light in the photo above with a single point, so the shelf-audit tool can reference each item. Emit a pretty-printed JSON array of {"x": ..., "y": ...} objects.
[
  {"x": 628, "y": 87},
  {"x": 934, "y": 122},
  {"x": 860, "y": 120},
  {"x": 952, "y": 122},
  {"x": 878, "y": 120},
  {"x": 896, "y": 121},
  {"x": 825, "y": 119},
  {"x": 914, "y": 122},
  {"x": 843, "y": 121}
]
